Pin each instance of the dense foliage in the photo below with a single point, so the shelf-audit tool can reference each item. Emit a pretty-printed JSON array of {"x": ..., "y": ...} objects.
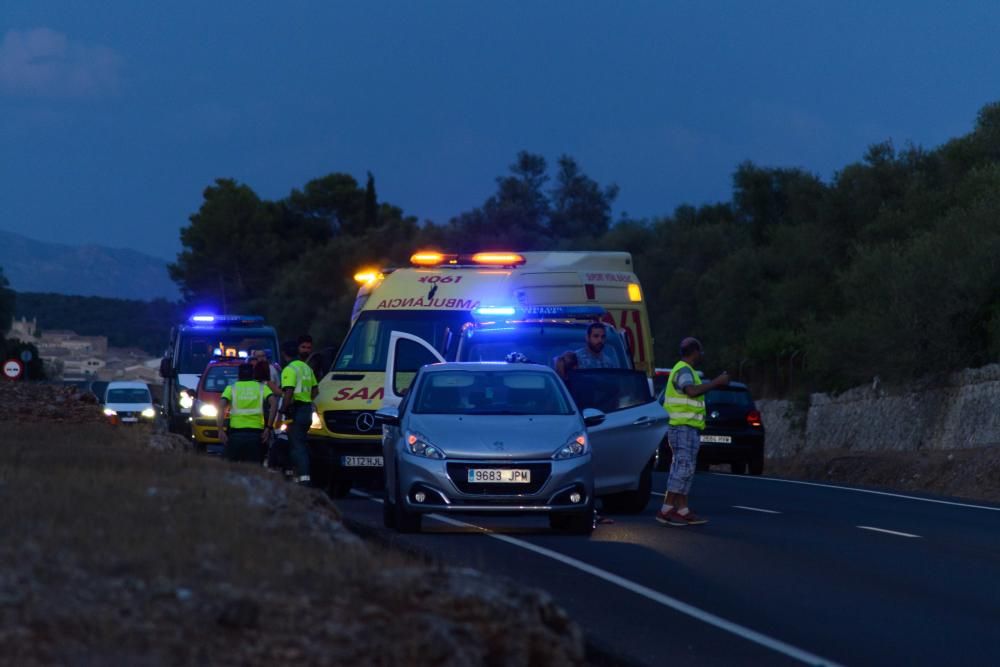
[
  {"x": 140, "y": 324},
  {"x": 887, "y": 270}
]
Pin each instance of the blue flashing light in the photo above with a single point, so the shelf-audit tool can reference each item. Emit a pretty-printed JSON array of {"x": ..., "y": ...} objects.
[
  {"x": 563, "y": 312},
  {"x": 204, "y": 319},
  {"x": 506, "y": 310}
]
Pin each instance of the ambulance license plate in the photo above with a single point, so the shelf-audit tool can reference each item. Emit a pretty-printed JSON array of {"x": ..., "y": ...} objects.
[
  {"x": 721, "y": 439},
  {"x": 499, "y": 476},
  {"x": 361, "y": 461}
]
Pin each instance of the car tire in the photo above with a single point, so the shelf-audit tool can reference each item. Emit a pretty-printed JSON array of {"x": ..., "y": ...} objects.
[
  {"x": 757, "y": 464},
  {"x": 339, "y": 489},
  {"x": 738, "y": 467},
  {"x": 632, "y": 502},
  {"x": 663, "y": 457},
  {"x": 388, "y": 513},
  {"x": 405, "y": 522},
  {"x": 577, "y": 523}
]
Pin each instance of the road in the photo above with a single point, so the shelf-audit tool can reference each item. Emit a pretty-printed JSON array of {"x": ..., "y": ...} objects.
[{"x": 784, "y": 573}]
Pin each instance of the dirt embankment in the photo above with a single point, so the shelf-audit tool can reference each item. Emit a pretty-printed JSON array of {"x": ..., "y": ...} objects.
[
  {"x": 36, "y": 402},
  {"x": 118, "y": 552}
]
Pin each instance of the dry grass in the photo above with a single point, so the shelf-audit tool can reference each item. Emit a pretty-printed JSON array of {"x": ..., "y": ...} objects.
[{"x": 113, "y": 553}]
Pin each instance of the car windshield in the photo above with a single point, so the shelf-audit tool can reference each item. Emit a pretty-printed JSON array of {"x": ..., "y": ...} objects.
[
  {"x": 129, "y": 395},
  {"x": 731, "y": 396},
  {"x": 219, "y": 377},
  {"x": 367, "y": 346},
  {"x": 608, "y": 389},
  {"x": 506, "y": 392},
  {"x": 197, "y": 348},
  {"x": 541, "y": 344}
]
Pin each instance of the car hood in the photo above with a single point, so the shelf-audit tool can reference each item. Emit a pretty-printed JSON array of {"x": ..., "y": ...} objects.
[{"x": 496, "y": 436}]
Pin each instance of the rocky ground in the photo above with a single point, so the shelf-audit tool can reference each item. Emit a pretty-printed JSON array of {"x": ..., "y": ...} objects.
[
  {"x": 121, "y": 547},
  {"x": 964, "y": 473},
  {"x": 38, "y": 402}
]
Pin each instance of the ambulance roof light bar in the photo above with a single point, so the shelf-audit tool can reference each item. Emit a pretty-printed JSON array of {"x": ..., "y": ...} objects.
[
  {"x": 205, "y": 318},
  {"x": 434, "y": 258}
]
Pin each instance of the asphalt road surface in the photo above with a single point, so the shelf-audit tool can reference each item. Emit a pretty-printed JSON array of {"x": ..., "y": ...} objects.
[{"x": 785, "y": 573}]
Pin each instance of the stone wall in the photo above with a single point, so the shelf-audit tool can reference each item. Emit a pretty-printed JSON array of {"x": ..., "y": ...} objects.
[{"x": 960, "y": 411}]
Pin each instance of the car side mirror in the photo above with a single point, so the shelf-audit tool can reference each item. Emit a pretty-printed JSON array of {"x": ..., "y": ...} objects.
[
  {"x": 592, "y": 417},
  {"x": 388, "y": 416},
  {"x": 166, "y": 368}
]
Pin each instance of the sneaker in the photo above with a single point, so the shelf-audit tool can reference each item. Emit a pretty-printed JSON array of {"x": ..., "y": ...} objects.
[
  {"x": 691, "y": 519},
  {"x": 671, "y": 518}
]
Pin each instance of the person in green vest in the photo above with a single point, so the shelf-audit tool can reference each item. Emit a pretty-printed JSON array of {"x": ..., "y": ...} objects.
[
  {"x": 252, "y": 408},
  {"x": 299, "y": 388},
  {"x": 684, "y": 401}
]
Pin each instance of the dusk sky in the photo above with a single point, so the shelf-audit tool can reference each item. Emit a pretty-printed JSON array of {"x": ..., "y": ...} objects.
[{"x": 114, "y": 116}]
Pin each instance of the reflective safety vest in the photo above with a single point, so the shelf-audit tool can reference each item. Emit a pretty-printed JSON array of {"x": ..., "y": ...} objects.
[
  {"x": 684, "y": 410},
  {"x": 300, "y": 377},
  {"x": 246, "y": 407}
]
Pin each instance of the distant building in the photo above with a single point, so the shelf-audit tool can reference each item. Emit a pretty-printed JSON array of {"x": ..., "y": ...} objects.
[{"x": 71, "y": 357}]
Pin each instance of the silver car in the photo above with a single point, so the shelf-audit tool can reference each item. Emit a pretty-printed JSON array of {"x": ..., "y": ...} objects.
[{"x": 488, "y": 438}]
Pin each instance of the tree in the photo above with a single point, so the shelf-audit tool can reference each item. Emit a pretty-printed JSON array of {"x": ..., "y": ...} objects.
[
  {"x": 580, "y": 207},
  {"x": 7, "y": 301}
]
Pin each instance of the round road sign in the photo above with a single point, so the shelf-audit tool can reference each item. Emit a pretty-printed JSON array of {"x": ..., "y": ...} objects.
[
  {"x": 13, "y": 369},
  {"x": 26, "y": 356}
]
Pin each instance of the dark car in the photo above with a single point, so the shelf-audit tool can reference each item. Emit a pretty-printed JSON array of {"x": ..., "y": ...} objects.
[{"x": 734, "y": 432}]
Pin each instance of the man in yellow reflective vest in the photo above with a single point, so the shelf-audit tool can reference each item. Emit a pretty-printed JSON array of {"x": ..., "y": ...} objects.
[
  {"x": 249, "y": 430},
  {"x": 684, "y": 401},
  {"x": 299, "y": 388}
]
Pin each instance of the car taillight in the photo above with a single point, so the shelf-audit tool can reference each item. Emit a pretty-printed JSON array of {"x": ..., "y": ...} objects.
[{"x": 753, "y": 418}]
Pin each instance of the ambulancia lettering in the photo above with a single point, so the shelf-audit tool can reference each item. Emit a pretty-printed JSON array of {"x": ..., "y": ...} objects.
[
  {"x": 420, "y": 302},
  {"x": 352, "y": 393}
]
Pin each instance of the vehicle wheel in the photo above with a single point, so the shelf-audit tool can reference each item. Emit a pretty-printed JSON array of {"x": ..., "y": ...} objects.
[
  {"x": 339, "y": 489},
  {"x": 405, "y": 522},
  {"x": 738, "y": 468},
  {"x": 632, "y": 502},
  {"x": 388, "y": 513},
  {"x": 663, "y": 457},
  {"x": 757, "y": 464},
  {"x": 578, "y": 523}
]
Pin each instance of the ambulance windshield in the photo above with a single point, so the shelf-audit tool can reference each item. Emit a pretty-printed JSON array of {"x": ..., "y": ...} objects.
[
  {"x": 197, "y": 348},
  {"x": 367, "y": 346}
]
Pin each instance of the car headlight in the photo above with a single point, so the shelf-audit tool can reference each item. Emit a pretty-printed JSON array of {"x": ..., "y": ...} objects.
[
  {"x": 420, "y": 446},
  {"x": 108, "y": 412},
  {"x": 315, "y": 424},
  {"x": 185, "y": 400},
  {"x": 208, "y": 410},
  {"x": 577, "y": 446},
  {"x": 148, "y": 413}
]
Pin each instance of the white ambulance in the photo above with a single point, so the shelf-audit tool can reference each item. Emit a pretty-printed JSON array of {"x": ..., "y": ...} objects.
[{"x": 434, "y": 299}]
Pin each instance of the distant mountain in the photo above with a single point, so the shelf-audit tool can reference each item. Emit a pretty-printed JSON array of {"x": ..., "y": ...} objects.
[{"x": 86, "y": 270}]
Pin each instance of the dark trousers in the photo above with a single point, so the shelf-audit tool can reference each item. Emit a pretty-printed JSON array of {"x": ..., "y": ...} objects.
[
  {"x": 244, "y": 445},
  {"x": 297, "y": 438}
]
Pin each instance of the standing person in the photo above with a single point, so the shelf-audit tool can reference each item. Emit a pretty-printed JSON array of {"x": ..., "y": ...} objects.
[
  {"x": 263, "y": 366},
  {"x": 299, "y": 387},
  {"x": 684, "y": 401},
  {"x": 591, "y": 355},
  {"x": 249, "y": 431}
]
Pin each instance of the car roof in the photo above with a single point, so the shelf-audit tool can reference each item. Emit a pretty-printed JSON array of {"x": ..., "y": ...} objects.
[
  {"x": 485, "y": 366},
  {"x": 124, "y": 384}
]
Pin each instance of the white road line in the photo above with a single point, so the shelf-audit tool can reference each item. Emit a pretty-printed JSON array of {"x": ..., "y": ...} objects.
[
  {"x": 755, "y": 509},
  {"x": 711, "y": 619},
  {"x": 876, "y": 493},
  {"x": 885, "y": 530}
]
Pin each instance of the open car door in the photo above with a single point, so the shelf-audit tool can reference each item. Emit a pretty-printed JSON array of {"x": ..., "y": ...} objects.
[
  {"x": 624, "y": 444},
  {"x": 407, "y": 353}
]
